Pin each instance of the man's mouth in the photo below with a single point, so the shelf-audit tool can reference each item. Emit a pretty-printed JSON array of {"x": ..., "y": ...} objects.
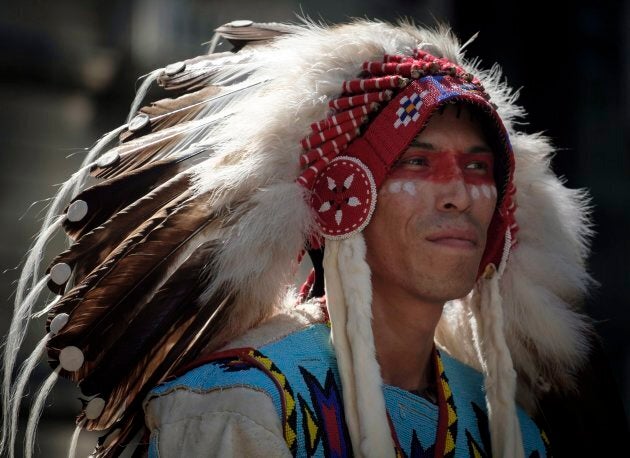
[{"x": 455, "y": 238}]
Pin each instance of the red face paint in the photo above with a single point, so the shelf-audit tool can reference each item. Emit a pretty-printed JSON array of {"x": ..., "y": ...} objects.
[{"x": 444, "y": 166}]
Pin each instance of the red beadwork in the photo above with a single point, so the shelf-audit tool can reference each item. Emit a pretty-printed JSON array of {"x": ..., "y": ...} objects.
[
  {"x": 322, "y": 155},
  {"x": 344, "y": 196},
  {"x": 307, "y": 178},
  {"x": 318, "y": 138},
  {"x": 373, "y": 84},
  {"x": 336, "y": 119},
  {"x": 406, "y": 69},
  {"x": 343, "y": 103},
  {"x": 317, "y": 154},
  {"x": 423, "y": 55},
  {"x": 396, "y": 58},
  {"x": 309, "y": 175},
  {"x": 325, "y": 150}
]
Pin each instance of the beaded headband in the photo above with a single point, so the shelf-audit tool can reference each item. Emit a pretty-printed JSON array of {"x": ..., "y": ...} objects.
[{"x": 349, "y": 154}]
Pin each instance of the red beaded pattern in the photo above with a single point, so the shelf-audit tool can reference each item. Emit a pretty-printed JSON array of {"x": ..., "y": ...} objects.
[
  {"x": 343, "y": 103},
  {"x": 344, "y": 197},
  {"x": 373, "y": 84},
  {"x": 339, "y": 118},
  {"x": 361, "y": 97}
]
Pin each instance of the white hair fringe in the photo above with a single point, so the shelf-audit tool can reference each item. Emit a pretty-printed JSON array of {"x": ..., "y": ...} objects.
[
  {"x": 142, "y": 92},
  {"x": 496, "y": 361},
  {"x": 338, "y": 313},
  {"x": 351, "y": 274},
  {"x": 15, "y": 338},
  {"x": 72, "y": 450}
]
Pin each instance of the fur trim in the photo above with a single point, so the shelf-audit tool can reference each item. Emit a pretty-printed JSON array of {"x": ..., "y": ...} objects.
[
  {"x": 376, "y": 437},
  {"x": 338, "y": 313},
  {"x": 500, "y": 376}
]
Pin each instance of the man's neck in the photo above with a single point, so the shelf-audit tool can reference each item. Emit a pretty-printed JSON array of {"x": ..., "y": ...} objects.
[{"x": 404, "y": 328}]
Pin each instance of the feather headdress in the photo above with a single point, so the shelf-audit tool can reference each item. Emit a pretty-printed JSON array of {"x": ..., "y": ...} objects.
[{"x": 194, "y": 231}]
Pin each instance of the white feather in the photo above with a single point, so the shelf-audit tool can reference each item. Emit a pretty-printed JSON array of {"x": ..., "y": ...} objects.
[
  {"x": 15, "y": 337},
  {"x": 36, "y": 412},
  {"x": 18, "y": 391},
  {"x": 142, "y": 92}
]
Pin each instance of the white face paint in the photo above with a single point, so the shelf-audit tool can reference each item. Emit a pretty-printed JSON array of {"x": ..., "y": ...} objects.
[
  {"x": 397, "y": 186},
  {"x": 394, "y": 187},
  {"x": 410, "y": 188},
  {"x": 485, "y": 189}
]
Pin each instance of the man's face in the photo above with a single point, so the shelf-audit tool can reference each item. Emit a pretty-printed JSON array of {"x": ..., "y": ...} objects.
[{"x": 428, "y": 232}]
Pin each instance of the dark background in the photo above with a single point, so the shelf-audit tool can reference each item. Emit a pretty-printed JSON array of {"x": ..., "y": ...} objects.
[{"x": 68, "y": 74}]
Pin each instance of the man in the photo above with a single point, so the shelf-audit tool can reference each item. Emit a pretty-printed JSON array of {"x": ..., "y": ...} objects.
[
  {"x": 424, "y": 245},
  {"x": 450, "y": 256}
]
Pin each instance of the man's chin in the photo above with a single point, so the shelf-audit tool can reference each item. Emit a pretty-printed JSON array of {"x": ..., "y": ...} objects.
[{"x": 455, "y": 284}]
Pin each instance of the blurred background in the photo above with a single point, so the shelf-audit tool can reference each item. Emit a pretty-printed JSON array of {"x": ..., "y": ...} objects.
[{"x": 70, "y": 69}]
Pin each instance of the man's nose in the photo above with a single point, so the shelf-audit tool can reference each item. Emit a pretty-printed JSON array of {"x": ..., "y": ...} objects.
[{"x": 454, "y": 195}]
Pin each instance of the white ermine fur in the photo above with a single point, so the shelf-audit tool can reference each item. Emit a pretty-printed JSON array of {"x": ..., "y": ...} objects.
[
  {"x": 376, "y": 437},
  {"x": 338, "y": 311}
]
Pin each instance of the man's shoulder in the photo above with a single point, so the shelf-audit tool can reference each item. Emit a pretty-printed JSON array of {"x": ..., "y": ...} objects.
[{"x": 253, "y": 376}]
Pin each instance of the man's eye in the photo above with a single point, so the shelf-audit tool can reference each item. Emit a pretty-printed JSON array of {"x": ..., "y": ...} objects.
[
  {"x": 478, "y": 165},
  {"x": 417, "y": 161}
]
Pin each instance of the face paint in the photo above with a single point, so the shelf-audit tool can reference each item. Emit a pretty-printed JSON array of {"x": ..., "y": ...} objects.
[
  {"x": 410, "y": 188},
  {"x": 396, "y": 186},
  {"x": 485, "y": 189},
  {"x": 443, "y": 166}
]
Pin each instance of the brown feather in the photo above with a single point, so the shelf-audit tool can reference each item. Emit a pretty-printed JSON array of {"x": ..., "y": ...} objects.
[
  {"x": 135, "y": 276},
  {"x": 171, "y": 111},
  {"x": 174, "y": 303},
  {"x": 107, "y": 198},
  {"x": 75, "y": 296},
  {"x": 140, "y": 151},
  {"x": 254, "y": 33},
  {"x": 181, "y": 353},
  {"x": 94, "y": 247},
  {"x": 198, "y": 73},
  {"x": 135, "y": 154},
  {"x": 185, "y": 344}
]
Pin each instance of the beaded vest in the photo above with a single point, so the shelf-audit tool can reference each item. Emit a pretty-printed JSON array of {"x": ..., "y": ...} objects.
[{"x": 299, "y": 373}]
